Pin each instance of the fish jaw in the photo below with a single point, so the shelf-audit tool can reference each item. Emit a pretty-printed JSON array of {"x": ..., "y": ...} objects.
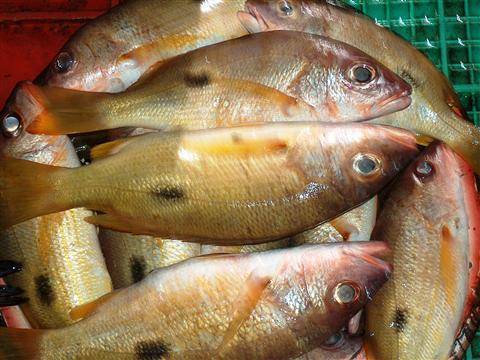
[{"x": 252, "y": 20}]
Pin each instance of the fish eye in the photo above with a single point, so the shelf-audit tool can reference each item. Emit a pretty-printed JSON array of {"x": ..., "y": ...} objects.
[
  {"x": 334, "y": 342},
  {"x": 11, "y": 125},
  {"x": 64, "y": 62},
  {"x": 285, "y": 8},
  {"x": 424, "y": 169},
  {"x": 362, "y": 74},
  {"x": 346, "y": 293},
  {"x": 366, "y": 164}
]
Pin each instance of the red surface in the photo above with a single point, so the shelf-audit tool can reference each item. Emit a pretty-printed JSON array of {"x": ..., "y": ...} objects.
[{"x": 32, "y": 32}]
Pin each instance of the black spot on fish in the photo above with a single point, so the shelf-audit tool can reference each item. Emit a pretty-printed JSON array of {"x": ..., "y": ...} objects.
[
  {"x": 409, "y": 78},
  {"x": 151, "y": 350},
  {"x": 236, "y": 138},
  {"x": 138, "y": 268},
  {"x": 44, "y": 289},
  {"x": 470, "y": 265},
  {"x": 170, "y": 193},
  {"x": 196, "y": 80},
  {"x": 399, "y": 321}
]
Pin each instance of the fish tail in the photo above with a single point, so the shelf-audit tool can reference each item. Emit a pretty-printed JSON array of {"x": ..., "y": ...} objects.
[
  {"x": 28, "y": 190},
  {"x": 57, "y": 111},
  {"x": 20, "y": 344}
]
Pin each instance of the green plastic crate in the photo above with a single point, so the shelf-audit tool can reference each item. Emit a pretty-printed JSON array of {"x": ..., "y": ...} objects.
[{"x": 448, "y": 31}]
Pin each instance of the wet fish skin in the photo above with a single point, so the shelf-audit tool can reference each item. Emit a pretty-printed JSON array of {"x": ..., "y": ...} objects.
[
  {"x": 435, "y": 110},
  {"x": 111, "y": 52},
  {"x": 267, "y": 77},
  {"x": 46, "y": 245},
  {"x": 130, "y": 258},
  {"x": 167, "y": 312},
  {"x": 418, "y": 313},
  {"x": 271, "y": 174},
  {"x": 345, "y": 349}
]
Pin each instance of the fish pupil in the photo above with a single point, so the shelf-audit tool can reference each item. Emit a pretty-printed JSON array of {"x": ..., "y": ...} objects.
[
  {"x": 286, "y": 8},
  {"x": 11, "y": 125},
  {"x": 424, "y": 168},
  {"x": 363, "y": 74},
  {"x": 365, "y": 165},
  {"x": 333, "y": 341},
  {"x": 345, "y": 293},
  {"x": 64, "y": 62}
]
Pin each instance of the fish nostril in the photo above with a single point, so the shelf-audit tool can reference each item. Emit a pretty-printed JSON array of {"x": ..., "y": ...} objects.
[{"x": 11, "y": 125}]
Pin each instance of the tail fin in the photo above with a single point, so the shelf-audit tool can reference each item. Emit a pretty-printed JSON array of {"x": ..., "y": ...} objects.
[
  {"x": 20, "y": 344},
  {"x": 28, "y": 190},
  {"x": 57, "y": 111}
]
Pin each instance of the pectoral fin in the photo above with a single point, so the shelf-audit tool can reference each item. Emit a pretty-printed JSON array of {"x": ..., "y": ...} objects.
[
  {"x": 244, "y": 306},
  {"x": 110, "y": 148}
]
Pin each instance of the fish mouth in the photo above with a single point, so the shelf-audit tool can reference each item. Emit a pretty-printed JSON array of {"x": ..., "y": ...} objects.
[
  {"x": 252, "y": 20},
  {"x": 392, "y": 104}
]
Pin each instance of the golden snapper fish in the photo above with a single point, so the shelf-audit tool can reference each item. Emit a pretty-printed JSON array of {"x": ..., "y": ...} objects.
[
  {"x": 430, "y": 220},
  {"x": 435, "y": 110},
  {"x": 275, "y": 76},
  {"x": 227, "y": 186},
  {"x": 63, "y": 266},
  {"x": 111, "y": 52},
  {"x": 278, "y": 304}
]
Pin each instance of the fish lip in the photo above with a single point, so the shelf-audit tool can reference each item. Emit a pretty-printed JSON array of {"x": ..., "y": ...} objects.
[
  {"x": 250, "y": 10},
  {"x": 392, "y": 104}
]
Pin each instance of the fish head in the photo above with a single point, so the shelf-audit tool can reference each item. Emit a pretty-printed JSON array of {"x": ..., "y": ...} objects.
[
  {"x": 362, "y": 159},
  {"x": 74, "y": 67},
  {"x": 313, "y": 16},
  {"x": 91, "y": 63},
  {"x": 438, "y": 163},
  {"x": 342, "y": 280},
  {"x": 359, "y": 87},
  {"x": 15, "y": 117}
]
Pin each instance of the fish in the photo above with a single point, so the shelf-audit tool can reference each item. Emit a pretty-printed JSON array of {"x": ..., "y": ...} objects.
[
  {"x": 277, "y": 304},
  {"x": 435, "y": 111},
  {"x": 267, "y": 77},
  {"x": 130, "y": 258},
  {"x": 63, "y": 266},
  {"x": 225, "y": 186},
  {"x": 113, "y": 51},
  {"x": 427, "y": 221}
]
